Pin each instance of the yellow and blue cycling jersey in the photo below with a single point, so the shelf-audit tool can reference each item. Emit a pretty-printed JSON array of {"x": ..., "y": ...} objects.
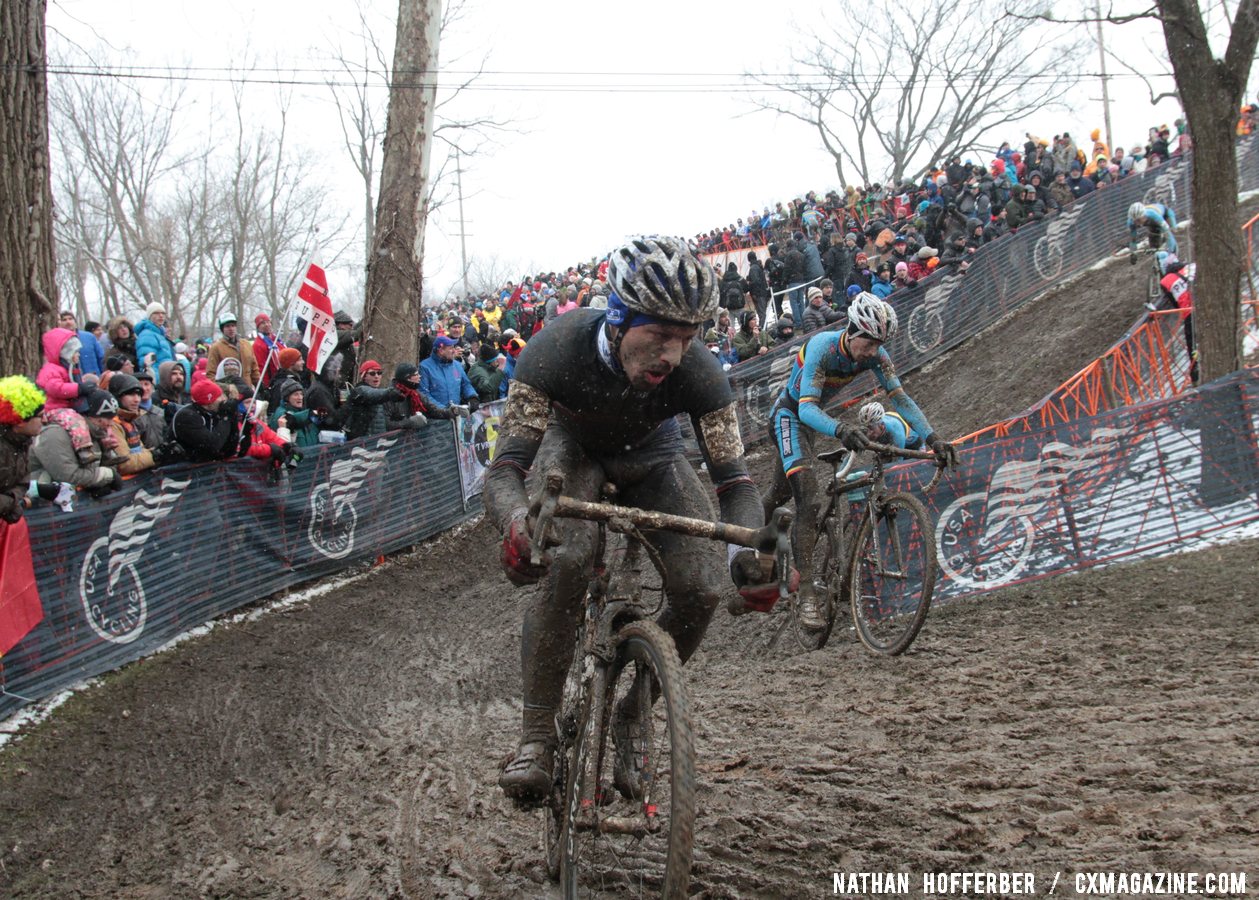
[
  {"x": 822, "y": 367},
  {"x": 900, "y": 433}
]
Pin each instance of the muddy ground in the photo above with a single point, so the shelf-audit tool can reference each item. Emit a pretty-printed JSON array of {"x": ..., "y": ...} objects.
[{"x": 348, "y": 746}]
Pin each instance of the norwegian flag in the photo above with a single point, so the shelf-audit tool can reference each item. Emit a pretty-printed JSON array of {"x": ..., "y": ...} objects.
[{"x": 315, "y": 308}]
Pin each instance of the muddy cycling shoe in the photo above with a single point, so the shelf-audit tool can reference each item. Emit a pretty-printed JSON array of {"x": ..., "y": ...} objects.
[
  {"x": 528, "y": 776},
  {"x": 630, "y": 759},
  {"x": 809, "y": 608}
]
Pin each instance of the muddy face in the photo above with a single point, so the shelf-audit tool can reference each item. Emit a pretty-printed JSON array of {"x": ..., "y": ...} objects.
[{"x": 650, "y": 352}]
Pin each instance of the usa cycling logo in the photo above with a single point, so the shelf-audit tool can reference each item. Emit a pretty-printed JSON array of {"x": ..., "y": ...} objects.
[
  {"x": 986, "y": 539},
  {"x": 1050, "y": 248},
  {"x": 109, "y": 584},
  {"x": 333, "y": 517}
]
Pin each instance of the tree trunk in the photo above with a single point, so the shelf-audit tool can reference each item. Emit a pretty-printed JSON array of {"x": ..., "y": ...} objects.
[
  {"x": 28, "y": 283},
  {"x": 393, "y": 308},
  {"x": 1211, "y": 91}
]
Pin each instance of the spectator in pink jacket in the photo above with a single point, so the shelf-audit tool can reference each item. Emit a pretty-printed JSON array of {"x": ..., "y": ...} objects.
[{"x": 61, "y": 364}]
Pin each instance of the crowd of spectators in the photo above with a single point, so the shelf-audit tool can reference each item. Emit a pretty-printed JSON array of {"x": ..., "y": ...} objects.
[{"x": 119, "y": 398}]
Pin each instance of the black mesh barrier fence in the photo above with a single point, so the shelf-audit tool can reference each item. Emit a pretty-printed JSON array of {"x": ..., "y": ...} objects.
[
  {"x": 1124, "y": 484},
  {"x": 119, "y": 577},
  {"x": 946, "y": 309}
]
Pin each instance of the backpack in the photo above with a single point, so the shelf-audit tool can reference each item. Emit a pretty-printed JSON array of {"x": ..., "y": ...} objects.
[{"x": 776, "y": 271}]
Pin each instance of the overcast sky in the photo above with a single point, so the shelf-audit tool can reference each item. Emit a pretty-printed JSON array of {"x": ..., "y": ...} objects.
[{"x": 590, "y": 164}]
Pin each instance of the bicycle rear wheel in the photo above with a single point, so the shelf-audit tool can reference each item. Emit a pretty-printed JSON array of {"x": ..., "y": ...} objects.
[
  {"x": 827, "y": 578},
  {"x": 615, "y": 845},
  {"x": 892, "y": 574}
]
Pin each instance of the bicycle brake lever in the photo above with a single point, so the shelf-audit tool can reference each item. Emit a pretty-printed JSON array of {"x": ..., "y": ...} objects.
[
  {"x": 782, "y": 520},
  {"x": 546, "y": 512}
]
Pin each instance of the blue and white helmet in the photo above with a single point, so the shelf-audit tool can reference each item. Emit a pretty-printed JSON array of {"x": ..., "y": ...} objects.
[
  {"x": 1136, "y": 212},
  {"x": 871, "y": 414},
  {"x": 660, "y": 277}
]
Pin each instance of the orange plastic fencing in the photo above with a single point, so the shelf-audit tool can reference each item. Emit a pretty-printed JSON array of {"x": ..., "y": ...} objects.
[{"x": 1149, "y": 363}]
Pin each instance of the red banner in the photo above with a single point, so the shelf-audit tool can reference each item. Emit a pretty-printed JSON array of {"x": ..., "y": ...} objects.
[
  {"x": 20, "y": 609},
  {"x": 315, "y": 308}
]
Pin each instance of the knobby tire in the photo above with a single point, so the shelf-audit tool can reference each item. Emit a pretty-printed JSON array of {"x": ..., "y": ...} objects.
[
  {"x": 654, "y": 864},
  {"x": 889, "y": 612}
]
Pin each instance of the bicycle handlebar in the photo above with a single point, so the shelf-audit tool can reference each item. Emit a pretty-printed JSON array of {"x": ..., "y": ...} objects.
[
  {"x": 773, "y": 538},
  {"x": 849, "y": 460}
]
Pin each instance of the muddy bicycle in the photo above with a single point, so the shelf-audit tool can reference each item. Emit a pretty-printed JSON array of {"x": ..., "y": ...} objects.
[
  {"x": 621, "y": 811},
  {"x": 881, "y": 558}
]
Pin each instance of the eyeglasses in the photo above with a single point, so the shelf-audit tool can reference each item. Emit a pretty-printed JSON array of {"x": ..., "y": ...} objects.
[{"x": 377, "y": 372}]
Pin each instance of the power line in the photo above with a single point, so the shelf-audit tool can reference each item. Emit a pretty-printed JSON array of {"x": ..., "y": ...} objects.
[{"x": 271, "y": 76}]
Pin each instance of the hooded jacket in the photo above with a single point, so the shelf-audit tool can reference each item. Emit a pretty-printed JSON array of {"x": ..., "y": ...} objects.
[
  {"x": 55, "y": 378},
  {"x": 151, "y": 338}
]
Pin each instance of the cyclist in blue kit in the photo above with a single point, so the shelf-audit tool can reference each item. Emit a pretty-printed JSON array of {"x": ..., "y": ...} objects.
[
  {"x": 824, "y": 365},
  {"x": 884, "y": 427}
]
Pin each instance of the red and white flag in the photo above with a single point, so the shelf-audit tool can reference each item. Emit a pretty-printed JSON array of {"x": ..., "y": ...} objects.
[{"x": 315, "y": 308}]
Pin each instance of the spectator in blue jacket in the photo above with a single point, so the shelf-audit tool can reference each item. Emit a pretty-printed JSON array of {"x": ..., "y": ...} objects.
[
  {"x": 151, "y": 338},
  {"x": 443, "y": 382},
  {"x": 91, "y": 353}
]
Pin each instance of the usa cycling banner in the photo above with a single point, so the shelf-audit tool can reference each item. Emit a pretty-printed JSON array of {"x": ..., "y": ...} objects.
[
  {"x": 121, "y": 576},
  {"x": 477, "y": 435},
  {"x": 942, "y": 311},
  {"x": 1116, "y": 486}
]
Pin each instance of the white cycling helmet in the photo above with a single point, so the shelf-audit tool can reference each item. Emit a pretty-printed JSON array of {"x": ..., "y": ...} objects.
[
  {"x": 1136, "y": 211},
  {"x": 872, "y": 317},
  {"x": 661, "y": 277},
  {"x": 871, "y": 414}
]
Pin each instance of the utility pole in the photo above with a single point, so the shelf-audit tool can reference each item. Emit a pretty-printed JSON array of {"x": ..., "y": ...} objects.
[
  {"x": 1101, "y": 55},
  {"x": 463, "y": 237}
]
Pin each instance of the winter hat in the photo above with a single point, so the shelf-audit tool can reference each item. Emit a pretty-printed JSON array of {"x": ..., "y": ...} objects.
[
  {"x": 100, "y": 404},
  {"x": 487, "y": 352},
  {"x": 260, "y": 318},
  {"x": 20, "y": 400},
  {"x": 813, "y": 292},
  {"x": 145, "y": 375},
  {"x": 902, "y": 268},
  {"x": 369, "y": 365},
  {"x": 206, "y": 392},
  {"x": 181, "y": 348},
  {"x": 404, "y": 370},
  {"x": 226, "y": 319},
  {"x": 290, "y": 386},
  {"x": 289, "y": 357},
  {"x": 853, "y": 290},
  {"x": 341, "y": 317},
  {"x": 514, "y": 346},
  {"x": 861, "y": 258},
  {"x": 121, "y": 383},
  {"x": 154, "y": 308},
  {"x": 115, "y": 363}
]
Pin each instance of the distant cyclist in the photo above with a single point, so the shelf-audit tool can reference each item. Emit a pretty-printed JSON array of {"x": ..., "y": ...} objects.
[
  {"x": 597, "y": 394},
  {"x": 1159, "y": 222},
  {"x": 824, "y": 365},
  {"x": 1177, "y": 293},
  {"x": 888, "y": 427}
]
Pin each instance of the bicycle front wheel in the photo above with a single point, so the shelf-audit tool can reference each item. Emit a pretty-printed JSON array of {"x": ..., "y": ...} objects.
[
  {"x": 892, "y": 574},
  {"x": 630, "y": 805}
]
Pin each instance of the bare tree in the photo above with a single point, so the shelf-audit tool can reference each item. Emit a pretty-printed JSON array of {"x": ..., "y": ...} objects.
[
  {"x": 924, "y": 83},
  {"x": 201, "y": 230},
  {"x": 457, "y": 130},
  {"x": 393, "y": 308},
  {"x": 28, "y": 281}
]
